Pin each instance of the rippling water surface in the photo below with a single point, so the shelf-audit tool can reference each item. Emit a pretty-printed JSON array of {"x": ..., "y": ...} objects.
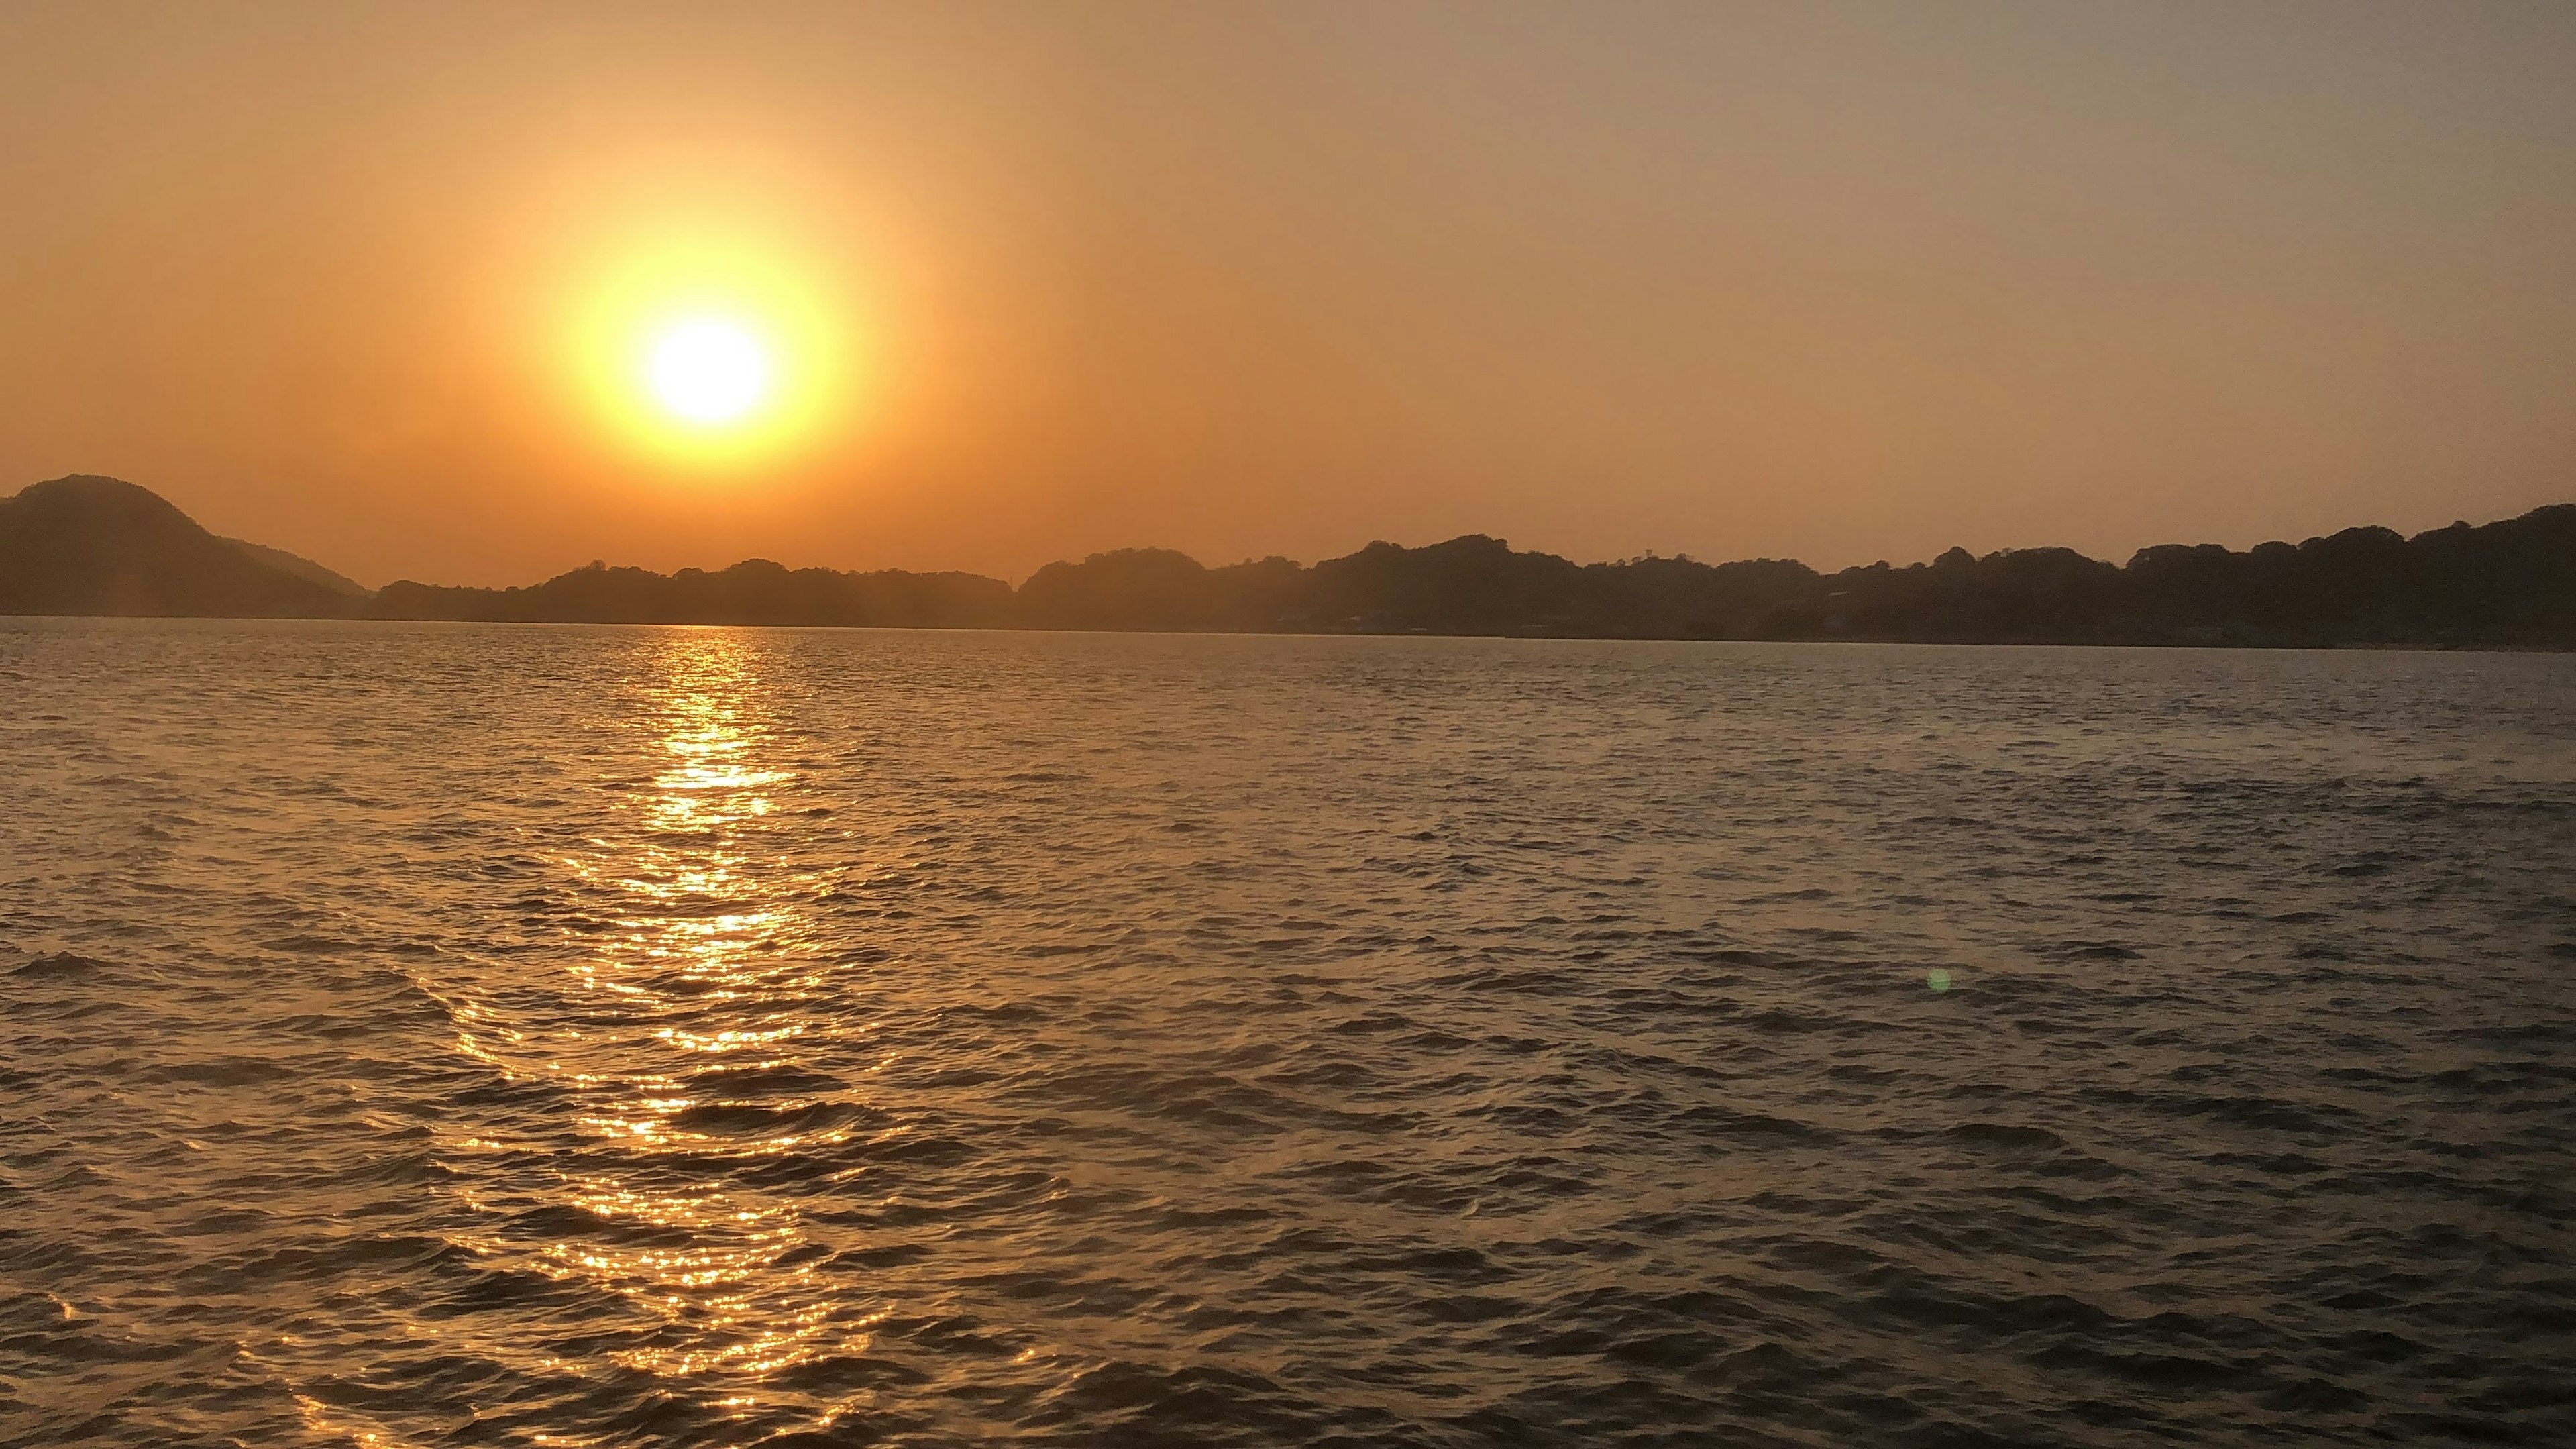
[{"x": 511, "y": 1036}]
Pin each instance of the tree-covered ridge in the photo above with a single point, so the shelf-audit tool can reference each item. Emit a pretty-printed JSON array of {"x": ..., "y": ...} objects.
[
  {"x": 754, "y": 591},
  {"x": 2504, "y": 583},
  {"x": 2509, "y": 583}
]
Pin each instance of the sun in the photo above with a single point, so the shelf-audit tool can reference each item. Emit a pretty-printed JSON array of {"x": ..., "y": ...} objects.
[
  {"x": 708, "y": 371},
  {"x": 714, "y": 358}
]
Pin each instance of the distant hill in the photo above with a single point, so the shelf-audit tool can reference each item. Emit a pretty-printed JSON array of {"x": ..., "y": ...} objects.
[
  {"x": 90, "y": 545},
  {"x": 95, "y": 545}
]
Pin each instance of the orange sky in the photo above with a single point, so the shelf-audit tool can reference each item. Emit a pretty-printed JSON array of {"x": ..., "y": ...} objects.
[{"x": 1839, "y": 282}]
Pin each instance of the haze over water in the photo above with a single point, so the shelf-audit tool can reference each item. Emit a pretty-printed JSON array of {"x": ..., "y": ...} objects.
[{"x": 557, "y": 1035}]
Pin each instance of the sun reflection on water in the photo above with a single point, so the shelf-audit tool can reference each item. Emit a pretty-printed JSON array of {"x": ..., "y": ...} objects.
[{"x": 701, "y": 982}]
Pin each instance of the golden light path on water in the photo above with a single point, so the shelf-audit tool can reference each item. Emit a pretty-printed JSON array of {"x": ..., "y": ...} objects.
[{"x": 702, "y": 984}]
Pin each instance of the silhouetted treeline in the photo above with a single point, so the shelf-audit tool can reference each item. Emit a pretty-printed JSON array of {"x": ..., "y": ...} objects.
[
  {"x": 95, "y": 545},
  {"x": 2511, "y": 583},
  {"x": 752, "y": 592}
]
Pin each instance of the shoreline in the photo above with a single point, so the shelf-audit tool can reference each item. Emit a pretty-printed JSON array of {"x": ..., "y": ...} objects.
[{"x": 2211, "y": 646}]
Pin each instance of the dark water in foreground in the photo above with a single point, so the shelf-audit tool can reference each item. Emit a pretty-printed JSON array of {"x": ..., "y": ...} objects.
[{"x": 446, "y": 1035}]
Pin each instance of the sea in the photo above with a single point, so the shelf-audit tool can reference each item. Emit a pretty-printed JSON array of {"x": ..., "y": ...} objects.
[{"x": 440, "y": 1034}]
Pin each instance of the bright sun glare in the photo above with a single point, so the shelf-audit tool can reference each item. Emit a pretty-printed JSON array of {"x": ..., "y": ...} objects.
[
  {"x": 712, "y": 358},
  {"x": 708, "y": 371}
]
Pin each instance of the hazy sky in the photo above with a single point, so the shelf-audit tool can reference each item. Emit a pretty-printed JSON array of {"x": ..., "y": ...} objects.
[{"x": 1834, "y": 281}]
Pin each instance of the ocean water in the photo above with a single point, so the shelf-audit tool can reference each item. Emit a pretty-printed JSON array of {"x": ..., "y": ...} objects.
[{"x": 458, "y": 1035}]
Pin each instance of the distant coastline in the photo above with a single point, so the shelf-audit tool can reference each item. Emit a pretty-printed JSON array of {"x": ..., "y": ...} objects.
[{"x": 86, "y": 545}]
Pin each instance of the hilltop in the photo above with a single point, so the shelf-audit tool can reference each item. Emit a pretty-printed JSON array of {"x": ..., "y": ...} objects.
[{"x": 91, "y": 545}]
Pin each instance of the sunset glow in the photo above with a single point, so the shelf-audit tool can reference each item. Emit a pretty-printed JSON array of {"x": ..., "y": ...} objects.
[{"x": 727, "y": 353}]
